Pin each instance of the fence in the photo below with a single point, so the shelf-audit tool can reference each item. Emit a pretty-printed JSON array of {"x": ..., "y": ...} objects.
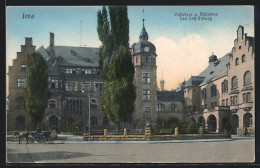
[{"x": 148, "y": 136}]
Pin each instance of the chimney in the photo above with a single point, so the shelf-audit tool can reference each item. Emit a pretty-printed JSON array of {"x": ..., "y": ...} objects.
[{"x": 51, "y": 47}]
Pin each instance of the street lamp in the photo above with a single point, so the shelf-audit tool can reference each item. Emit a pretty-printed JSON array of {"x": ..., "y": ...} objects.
[{"x": 83, "y": 91}]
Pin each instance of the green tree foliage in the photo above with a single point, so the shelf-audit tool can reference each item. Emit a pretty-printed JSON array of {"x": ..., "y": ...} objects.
[
  {"x": 116, "y": 64},
  {"x": 36, "y": 93},
  {"x": 168, "y": 127}
]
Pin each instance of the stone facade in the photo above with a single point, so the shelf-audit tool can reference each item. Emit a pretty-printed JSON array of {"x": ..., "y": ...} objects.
[
  {"x": 220, "y": 94},
  {"x": 227, "y": 90},
  {"x": 17, "y": 118},
  {"x": 170, "y": 104},
  {"x": 144, "y": 60},
  {"x": 241, "y": 75}
]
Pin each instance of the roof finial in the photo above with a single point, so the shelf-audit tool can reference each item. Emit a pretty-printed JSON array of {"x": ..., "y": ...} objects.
[{"x": 143, "y": 18}]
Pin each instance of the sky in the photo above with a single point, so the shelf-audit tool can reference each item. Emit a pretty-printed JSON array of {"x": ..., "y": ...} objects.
[{"x": 182, "y": 46}]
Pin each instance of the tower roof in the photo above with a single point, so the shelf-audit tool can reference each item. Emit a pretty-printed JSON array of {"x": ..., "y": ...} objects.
[
  {"x": 143, "y": 34},
  {"x": 143, "y": 42}
]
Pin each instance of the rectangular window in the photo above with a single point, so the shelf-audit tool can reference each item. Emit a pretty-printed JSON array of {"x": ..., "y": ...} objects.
[
  {"x": 246, "y": 97},
  {"x": 204, "y": 93},
  {"x": 88, "y": 71},
  {"x": 224, "y": 86},
  {"x": 146, "y": 59},
  {"x": 205, "y": 106},
  {"x": 146, "y": 94},
  {"x": 194, "y": 108},
  {"x": 146, "y": 78},
  {"x": 213, "y": 90},
  {"x": 94, "y": 71},
  {"x": 23, "y": 68},
  {"x": 146, "y": 112},
  {"x": 85, "y": 87},
  {"x": 54, "y": 84},
  {"x": 71, "y": 86},
  {"x": 94, "y": 104},
  {"x": 70, "y": 71},
  {"x": 98, "y": 87},
  {"x": 212, "y": 105},
  {"x": 21, "y": 83},
  {"x": 73, "y": 106}
]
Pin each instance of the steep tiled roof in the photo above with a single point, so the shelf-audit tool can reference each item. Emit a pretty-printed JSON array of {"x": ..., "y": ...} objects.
[
  {"x": 215, "y": 69},
  {"x": 79, "y": 56},
  {"x": 169, "y": 96},
  {"x": 194, "y": 81}
]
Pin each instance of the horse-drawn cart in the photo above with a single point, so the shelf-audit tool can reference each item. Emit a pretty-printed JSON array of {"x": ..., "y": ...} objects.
[{"x": 32, "y": 136}]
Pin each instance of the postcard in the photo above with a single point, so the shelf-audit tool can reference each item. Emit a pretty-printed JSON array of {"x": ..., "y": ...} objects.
[{"x": 130, "y": 84}]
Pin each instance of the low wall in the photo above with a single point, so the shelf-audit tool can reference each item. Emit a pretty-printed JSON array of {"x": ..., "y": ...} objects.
[{"x": 160, "y": 137}]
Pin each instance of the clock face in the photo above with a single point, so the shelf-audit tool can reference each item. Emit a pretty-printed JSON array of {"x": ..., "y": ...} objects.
[{"x": 146, "y": 49}]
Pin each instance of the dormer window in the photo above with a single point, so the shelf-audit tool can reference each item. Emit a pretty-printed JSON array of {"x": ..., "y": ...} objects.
[{"x": 211, "y": 72}]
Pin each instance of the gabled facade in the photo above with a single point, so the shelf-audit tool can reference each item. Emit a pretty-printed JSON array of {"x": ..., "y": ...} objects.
[
  {"x": 227, "y": 90},
  {"x": 17, "y": 118},
  {"x": 241, "y": 77}
]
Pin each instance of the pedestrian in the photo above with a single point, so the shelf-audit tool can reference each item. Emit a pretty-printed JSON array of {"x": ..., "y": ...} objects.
[
  {"x": 38, "y": 130},
  {"x": 246, "y": 131}
]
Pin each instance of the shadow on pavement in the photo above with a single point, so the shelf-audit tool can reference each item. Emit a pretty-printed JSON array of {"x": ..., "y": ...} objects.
[{"x": 34, "y": 157}]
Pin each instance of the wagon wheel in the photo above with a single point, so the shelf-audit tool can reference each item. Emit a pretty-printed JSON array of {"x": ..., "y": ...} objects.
[
  {"x": 31, "y": 140},
  {"x": 41, "y": 139},
  {"x": 50, "y": 140}
]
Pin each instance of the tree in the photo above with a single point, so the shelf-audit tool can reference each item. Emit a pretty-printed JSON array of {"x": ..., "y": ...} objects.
[
  {"x": 36, "y": 93},
  {"x": 116, "y": 64}
]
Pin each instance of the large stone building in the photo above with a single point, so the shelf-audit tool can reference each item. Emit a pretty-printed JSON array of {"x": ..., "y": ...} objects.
[
  {"x": 74, "y": 75},
  {"x": 223, "y": 92}
]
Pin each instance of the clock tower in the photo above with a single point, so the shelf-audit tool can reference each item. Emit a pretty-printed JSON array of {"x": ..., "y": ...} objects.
[{"x": 144, "y": 60}]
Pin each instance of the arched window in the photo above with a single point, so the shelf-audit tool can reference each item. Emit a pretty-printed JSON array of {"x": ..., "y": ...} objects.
[
  {"x": 20, "y": 102},
  {"x": 173, "y": 108},
  {"x": 247, "y": 120},
  {"x": 243, "y": 58},
  {"x": 105, "y": 121},
  {"x": 237, "y": 61},
  {"x": 247, "y": 78},
  {"x": 53, "y": 121},
  {"x": 160, "y": 107},
  {"x": 20, "y": 121},
  {"x": 234, "y": 82},
  {"x": 94, "y": 104},
  {"x": 52, "y": 104},
  {"x": 93, "y": 121}
]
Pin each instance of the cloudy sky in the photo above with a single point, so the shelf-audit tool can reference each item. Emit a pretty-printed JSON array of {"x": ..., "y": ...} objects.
[{"x": 183, "y": 45}]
